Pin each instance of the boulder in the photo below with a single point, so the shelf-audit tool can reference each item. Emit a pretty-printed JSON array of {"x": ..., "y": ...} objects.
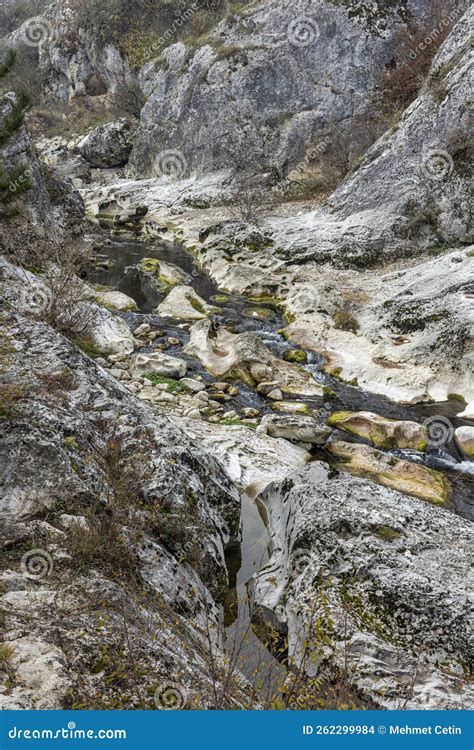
[
  {"x": 290, "y": 407},
  {"x": 158, "y": 363},
  {"x": 464, "y": 439},
  {"x": 116, "y": 300},
  {"x": 468, "y": 412},
  {"x": 241, "y": 356},
  {"x": 196, "y": 386},
  {"x": 275, "y": 394},
  {"x": 108, "y": 333},
  {"x": 380, "y": 431},
  {"x": 183, "y": 303},
  {"x": 401, "y": 475},
  {"x": 297, "y": 428},
  {"x": 108, "y": 145}
]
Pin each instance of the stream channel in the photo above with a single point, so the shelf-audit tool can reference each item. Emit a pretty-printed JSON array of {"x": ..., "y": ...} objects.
[{"x": 115, "y": 266}]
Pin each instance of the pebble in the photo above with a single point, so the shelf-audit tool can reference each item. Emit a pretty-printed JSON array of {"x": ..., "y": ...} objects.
[
  {"x": 116, "y": 373},
  {"x": 193, "y": 385},
  {"x": 219, "y": 386},
  {"x": 229, "y": 414},
  {"x": 119, "y": 357},
  {"x": 141, "y": 330},
  {"x": 250, "y": 412},
  {"x": 194, "y": 414},
  {"x": 267, "y": 387},
  {"x": 275, "y": 395},
  {"x": 172, "y": 341}
]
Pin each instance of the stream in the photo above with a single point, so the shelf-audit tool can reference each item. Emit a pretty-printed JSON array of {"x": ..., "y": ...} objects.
[{"x": 115, "y": 267}]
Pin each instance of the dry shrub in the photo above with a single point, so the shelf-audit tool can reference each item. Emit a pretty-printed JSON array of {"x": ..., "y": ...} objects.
[
  {"x": 102, "y": 542},
  {"x": 60, "y": 297},
  {"x": 415, "y": 49}
]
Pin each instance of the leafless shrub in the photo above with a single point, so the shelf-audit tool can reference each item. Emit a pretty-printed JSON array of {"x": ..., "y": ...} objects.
[
  {"x": 407, "y": 71},
  {"x": 252, "y": 196},
  {"x": 59, "y": 296}
]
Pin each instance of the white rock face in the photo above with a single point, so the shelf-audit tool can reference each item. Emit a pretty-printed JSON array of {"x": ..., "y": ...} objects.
[
  {"x": 55, "y": 635},
  {"x": 251, "y": 459},
  {"x": 183, "y": 303},
  {"x": 394, "y": 574},
  {"x": 41, "y": 673},
  {"x": 253, "y": 68},
  {"x": 420, "y": 160},
  {"x": 468, "y": 412},
  {"x": 161, "y": 364},
  {"x": 464, "y": 438}
]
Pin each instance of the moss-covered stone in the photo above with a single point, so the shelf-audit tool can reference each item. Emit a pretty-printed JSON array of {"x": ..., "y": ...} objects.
[
  {"x": 381, "y": 431},
  {"x": 404, "y": 476},
  {"x": 295, "y": 355}
]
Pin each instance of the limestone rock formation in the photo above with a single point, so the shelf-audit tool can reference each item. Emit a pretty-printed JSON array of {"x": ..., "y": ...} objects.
[
  {"x": 381, "y": 432},
  {"x": 245, "y": 357},
  {"x": 296, "y": 427},
  {"x": 108, "y": 145},
  {"x": 74, "y": 445},
  {"x": 385, "y": 572},
  {"x": 411, "y": 189},
  {"x": 401, "y": 475}
]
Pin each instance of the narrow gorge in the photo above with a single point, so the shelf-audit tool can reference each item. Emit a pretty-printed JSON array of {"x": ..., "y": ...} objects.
[{"x": 236, "y": 355}]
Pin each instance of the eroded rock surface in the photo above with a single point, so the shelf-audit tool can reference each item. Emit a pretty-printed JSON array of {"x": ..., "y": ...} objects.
[
  {"x": 75, "y": 445},
  {"x": 381, "y": 432},
  {"x": 388, "y": 577},
  {"x": 244, "y": 356},
  {"x": 401, "y": 475}
]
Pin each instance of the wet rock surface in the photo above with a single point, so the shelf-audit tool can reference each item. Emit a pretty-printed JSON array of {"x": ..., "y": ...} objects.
[{"x": 144, "y": 491}]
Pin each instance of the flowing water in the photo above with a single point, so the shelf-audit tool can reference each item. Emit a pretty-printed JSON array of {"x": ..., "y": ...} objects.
[{"x": 248, "y": 554}]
